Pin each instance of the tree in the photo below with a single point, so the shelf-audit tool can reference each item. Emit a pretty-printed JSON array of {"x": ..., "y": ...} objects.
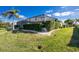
[
  {"x": 69, "y": 22},
  {"x": 11, "y": 14},
  {"x": 56, "y": 20},
  {"x": 57, "y": 23},
  {"x": 77, "y": 20}
]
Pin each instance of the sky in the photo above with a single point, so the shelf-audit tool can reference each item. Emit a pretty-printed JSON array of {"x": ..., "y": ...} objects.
[{"x": 60, "y": 12}]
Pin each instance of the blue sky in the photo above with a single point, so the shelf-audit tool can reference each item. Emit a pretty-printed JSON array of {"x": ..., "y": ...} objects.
[{"x": 60, "y": 12}]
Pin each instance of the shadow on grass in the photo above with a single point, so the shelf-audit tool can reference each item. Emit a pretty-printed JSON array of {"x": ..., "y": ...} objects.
[
  {"x": 24, "y": 31},
  {"x": 74, "y": 42}
]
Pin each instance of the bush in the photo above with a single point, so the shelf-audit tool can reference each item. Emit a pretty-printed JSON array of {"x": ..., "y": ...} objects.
[
  {"x": 77, "y": 27},
  {"x": 2, "y": 28},
  {"x": 8, "y": 28},
  {"x": 14, "y": 31}
]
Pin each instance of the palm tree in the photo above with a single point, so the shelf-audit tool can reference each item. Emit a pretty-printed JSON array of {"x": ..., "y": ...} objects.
[{"x": 10, "y": 14}]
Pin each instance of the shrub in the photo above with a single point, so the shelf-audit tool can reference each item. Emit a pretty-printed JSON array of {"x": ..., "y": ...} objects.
[{"x": 77, "y": 27}]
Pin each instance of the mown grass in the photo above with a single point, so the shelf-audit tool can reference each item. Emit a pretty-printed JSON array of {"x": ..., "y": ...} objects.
[{"x": 20, "y": 42}]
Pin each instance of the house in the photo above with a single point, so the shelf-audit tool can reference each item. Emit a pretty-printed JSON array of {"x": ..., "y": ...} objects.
[
  {"x": 37, "y": 23},
  {"x": 76, "y": 23}
]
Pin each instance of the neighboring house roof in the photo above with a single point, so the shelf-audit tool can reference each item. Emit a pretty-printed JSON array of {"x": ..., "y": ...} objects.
[
  {"x": 34, "y": 19},
  {"x": 76, "y": 23}
]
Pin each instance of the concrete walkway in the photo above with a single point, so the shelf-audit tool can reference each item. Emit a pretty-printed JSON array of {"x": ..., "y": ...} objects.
[{"x": 47, "y": 33}]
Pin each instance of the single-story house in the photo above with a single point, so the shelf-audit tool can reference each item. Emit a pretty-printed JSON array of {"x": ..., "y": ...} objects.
[
  {"x": 76, "y": 23},
  {"x": 37, "y": 23}
]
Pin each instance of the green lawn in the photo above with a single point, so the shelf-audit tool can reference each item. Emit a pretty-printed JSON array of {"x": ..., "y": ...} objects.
[{"x": 58, "y": 41}]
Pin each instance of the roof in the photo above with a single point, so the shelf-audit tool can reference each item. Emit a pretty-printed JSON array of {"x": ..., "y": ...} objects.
[{"x": 38, "y": 18}]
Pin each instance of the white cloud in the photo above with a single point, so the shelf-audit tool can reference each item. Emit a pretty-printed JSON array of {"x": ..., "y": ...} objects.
[
  {"x": 21, "y": 16},
  {"x": 49, "y": 11},
  {"x": 63, "y": 13},
  {"x": 63, "y": 7},
  {"x": 57, "y": 14},
  {"x": 49, "y": 15},
  {"x": 66, "y": 13},
  {"x": 1, "y": 17},
  {"x": 76, "y": 9}
]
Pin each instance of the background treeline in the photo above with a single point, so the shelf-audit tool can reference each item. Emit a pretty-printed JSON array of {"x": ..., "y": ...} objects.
[
  {"x": 4, "y": 25},
  {"x": 54, "y": 24}
]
